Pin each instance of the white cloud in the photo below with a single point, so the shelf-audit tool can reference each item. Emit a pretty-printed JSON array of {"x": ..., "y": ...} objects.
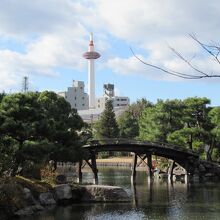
[
  {"x": 42, "y": 57},
  {"x": 132, "y": 66},
  {"x": 145, "y": 20},
  {"x": 37, "y": 17},
  {"x": 154, "y": 25}
]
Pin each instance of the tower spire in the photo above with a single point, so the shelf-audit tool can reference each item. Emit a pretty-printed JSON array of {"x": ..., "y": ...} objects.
[{"x": 91, "y": 37}]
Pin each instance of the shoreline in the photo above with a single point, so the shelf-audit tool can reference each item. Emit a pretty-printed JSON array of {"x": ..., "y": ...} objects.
[{"x": 114, "y": 162}]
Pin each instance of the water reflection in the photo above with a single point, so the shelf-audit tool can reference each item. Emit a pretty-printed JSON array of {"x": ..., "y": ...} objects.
[{"x": 150, "y": 200}]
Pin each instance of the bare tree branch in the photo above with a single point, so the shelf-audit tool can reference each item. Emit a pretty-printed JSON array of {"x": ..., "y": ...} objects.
[
  {"x": 187, "y": 62},
  {"x": 171, "y": 72},
  {"x": 212, "y": 50},
  {"x": 205, "y": 47}
]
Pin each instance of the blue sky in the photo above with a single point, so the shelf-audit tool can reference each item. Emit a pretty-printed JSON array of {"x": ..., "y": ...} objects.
[{"x": 45, "y": 40}]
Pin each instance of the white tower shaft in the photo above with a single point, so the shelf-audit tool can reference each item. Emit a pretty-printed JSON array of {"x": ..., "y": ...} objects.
[
  {"x": 91, "y": 83},
  {"x": 91, "y": 76},
  {"x": 91, "y": 55}
]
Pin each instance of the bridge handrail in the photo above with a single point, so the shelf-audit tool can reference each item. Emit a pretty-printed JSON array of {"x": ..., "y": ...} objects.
[{"x": 111, "y": 141}]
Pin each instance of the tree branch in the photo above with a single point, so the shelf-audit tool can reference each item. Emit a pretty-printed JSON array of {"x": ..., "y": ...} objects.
[
  {"x": 171, "y": 72},
  {"x": 205, "y": 47},
  {"x": 187, "y": 62},
  {"x": 212, "y": 50}
]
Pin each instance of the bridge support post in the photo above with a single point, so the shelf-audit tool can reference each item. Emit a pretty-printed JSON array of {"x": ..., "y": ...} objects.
[
  {"x": 94, "y": 167},
  {"x": 134, "y": 165},
  {"x": 150, "y": 189},
  {"x": 79, "y": 180},
  {"x": 135, "y": 198},
  {"x": 149, "y": 162},
  {"x": 186, "y": 179},
  {"x": 170, "y": 171}
]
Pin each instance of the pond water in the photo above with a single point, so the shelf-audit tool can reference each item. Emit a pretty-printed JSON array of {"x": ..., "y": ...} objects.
[{"x": 150, "y": 200}]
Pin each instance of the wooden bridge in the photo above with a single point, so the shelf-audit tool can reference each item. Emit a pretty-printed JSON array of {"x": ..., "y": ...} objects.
[{"x": 141, "y": 149}]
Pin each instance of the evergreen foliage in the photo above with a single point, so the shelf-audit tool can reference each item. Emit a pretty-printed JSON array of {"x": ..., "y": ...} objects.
[
  {"x": 190, "y": 123},
  {"x": 107, "y": 126},
  {"x": 35, "y": 128},
  {"x": 161, "y": 119},
  {"x": 128, "y": 120},
  {"x": 128, "y": 125}
]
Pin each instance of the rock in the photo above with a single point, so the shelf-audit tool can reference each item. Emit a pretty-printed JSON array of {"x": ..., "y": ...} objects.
[
  {"x": 37, "y": 208},
  {"x": 25, "y": 211},
  {"x": 196, "y": 178},
  {"x": 31, "y": 204},
  {"x": 99, "y": 193},
  {"x": 63, "y": 192},
  {"x": 61, "y": 179},
  {"x": 29, "y": 210},
  {"x": 77, "y": 193},
  {"x": 47, "y": 199},
  {"x": 29, "y": 197},
  {"x": 196, "y": 171},
  {"x": 202, "y": 168},
  {"x": 208, "y": 166},
  {"x": 209, "y": 175}
]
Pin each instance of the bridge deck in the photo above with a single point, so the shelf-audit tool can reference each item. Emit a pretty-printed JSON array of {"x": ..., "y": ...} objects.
[{"x": 174, "y": 152}]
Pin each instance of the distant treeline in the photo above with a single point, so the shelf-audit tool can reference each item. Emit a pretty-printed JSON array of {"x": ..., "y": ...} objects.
[{"x": 191, "y": 123}]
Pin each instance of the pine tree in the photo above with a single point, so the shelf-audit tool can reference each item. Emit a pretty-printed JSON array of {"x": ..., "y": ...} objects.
[{"x": 107, "y": 126}]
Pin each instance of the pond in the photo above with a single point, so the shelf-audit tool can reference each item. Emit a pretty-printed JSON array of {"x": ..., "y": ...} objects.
[{"x": 150, "y": 200}]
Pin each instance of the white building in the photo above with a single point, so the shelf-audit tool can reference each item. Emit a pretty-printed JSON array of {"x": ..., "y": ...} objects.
[
  {"x": 120, "y": 104},
  {"x": 109, "y": 93},
  {"x": 76, "y": 96},
  {"x": 92, "y": 115},
  {"x": 79, "y": 100},
  {"x": 117, "y": 101}
]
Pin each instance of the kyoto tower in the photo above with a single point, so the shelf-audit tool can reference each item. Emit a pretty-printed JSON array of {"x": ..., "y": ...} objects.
[{"x": 91, "y": 55}]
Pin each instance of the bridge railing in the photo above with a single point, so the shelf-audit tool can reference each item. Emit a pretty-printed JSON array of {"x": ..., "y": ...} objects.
[{"x": 112, "y": 141}]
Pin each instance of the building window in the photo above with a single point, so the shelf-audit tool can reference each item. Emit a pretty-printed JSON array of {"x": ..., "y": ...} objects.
[
  {"x": 75, "y": 105},
  {"x": 98, "y": 106},
  {"x": 98, "y": 100},
  {"x": 81, "y": 87},
  {"x": 75, "y": 97},
  {"x": 83, "y": 104},
  {"x": 75, "y": 89},
  {"x": 83, "y": 97}
]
